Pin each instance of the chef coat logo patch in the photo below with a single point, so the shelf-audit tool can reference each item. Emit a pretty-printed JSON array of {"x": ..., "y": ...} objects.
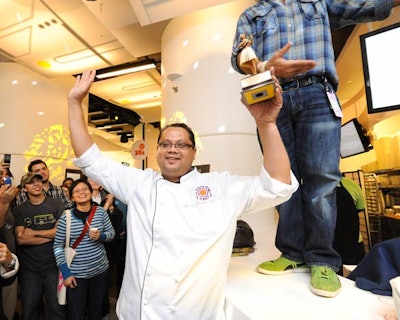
[{"x": 203, "y": 193}]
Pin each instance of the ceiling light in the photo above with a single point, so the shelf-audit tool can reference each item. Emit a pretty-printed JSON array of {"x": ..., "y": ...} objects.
[{"x": 127, "y": 70}]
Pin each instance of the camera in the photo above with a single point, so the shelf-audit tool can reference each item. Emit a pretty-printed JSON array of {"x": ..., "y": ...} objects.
[{"x": 7, "y": 180}]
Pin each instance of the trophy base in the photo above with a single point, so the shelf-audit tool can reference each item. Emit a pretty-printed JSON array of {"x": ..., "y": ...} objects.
[{"x": 258, "y": 88}]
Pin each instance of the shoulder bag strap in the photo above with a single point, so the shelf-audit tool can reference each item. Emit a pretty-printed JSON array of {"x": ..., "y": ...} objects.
[
  {"x": 67, "y": 227},
  {"x": 86, "y": 227}
]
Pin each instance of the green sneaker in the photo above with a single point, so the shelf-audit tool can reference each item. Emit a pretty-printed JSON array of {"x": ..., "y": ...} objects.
[
  {"x": 282, "y": 265},
  {"x": 324, "y": 281}
]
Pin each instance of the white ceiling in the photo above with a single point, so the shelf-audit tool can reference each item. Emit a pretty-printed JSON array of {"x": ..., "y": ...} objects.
[
  {"x": 63, "y": 37},
  {"x": 58, "y": 37}
]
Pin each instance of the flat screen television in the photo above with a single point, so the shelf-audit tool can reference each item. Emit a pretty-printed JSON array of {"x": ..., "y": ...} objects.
[
  {"x": 381, "y": 65},
  {"x": 353, "y": 140}
]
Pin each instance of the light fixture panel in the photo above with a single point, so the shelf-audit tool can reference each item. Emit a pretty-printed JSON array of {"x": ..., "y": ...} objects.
[{"x": 121, "y": 72}]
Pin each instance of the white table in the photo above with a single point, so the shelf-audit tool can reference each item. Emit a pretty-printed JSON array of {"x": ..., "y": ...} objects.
[{"x": 261, "y": 297}]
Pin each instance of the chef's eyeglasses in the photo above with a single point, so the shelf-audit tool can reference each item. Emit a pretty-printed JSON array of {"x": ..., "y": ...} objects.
[{"x": 178, "y": 145}]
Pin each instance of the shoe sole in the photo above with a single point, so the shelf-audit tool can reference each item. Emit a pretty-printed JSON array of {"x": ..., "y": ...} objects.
[
  {"x": 323, "y": 293},
  {"x": 303, "y": 269}
]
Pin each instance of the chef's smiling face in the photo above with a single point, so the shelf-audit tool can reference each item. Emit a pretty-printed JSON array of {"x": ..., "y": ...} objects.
[{"x": 175, "y": 153}]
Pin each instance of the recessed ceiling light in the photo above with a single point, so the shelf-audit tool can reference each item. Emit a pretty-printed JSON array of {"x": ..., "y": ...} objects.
[
  {"x": 221, "y": 128},
  {"x": 44, "y": 64}
]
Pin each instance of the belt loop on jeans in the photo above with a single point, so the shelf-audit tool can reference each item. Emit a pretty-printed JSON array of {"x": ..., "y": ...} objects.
[{"x": 301, "y": 82}]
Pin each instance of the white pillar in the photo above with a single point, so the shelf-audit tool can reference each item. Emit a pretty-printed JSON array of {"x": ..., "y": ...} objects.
[{"x": 201, "y": 89}]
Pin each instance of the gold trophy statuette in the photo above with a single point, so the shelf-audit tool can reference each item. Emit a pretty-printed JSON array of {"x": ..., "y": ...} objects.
[{"x": 256, "y": 87}]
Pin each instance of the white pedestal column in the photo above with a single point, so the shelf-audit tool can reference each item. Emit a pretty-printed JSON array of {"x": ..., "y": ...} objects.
[{"x": 201, "y": 89}]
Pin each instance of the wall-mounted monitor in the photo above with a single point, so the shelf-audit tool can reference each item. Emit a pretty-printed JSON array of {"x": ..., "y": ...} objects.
[
  {"x": 353, "y": 140},
  {"x": 381, "y": 66}
]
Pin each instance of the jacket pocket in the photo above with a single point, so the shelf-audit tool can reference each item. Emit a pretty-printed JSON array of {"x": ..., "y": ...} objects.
[
  {"x": 265, "y": 20},
  {"x": 312, "y": 9}
]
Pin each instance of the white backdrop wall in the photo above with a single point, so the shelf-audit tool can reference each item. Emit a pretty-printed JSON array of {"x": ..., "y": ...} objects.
[
  {"x": 28, "y": 134},
  {"x": 34, "y": 124},
  {"x": 206, "y": 95}
]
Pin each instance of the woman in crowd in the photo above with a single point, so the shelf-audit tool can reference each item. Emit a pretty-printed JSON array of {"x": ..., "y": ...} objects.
[
  {"x": 87, "y": 277},
  {"x": 66, "y": 185},
  {"x": 107, "y": 201}
]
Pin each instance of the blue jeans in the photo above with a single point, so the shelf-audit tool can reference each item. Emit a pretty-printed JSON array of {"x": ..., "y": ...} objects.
[
  {"x": 86, "y": 300},
  {"x": 311, "y": 134},
  {"x": 34, "y": 286}
]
